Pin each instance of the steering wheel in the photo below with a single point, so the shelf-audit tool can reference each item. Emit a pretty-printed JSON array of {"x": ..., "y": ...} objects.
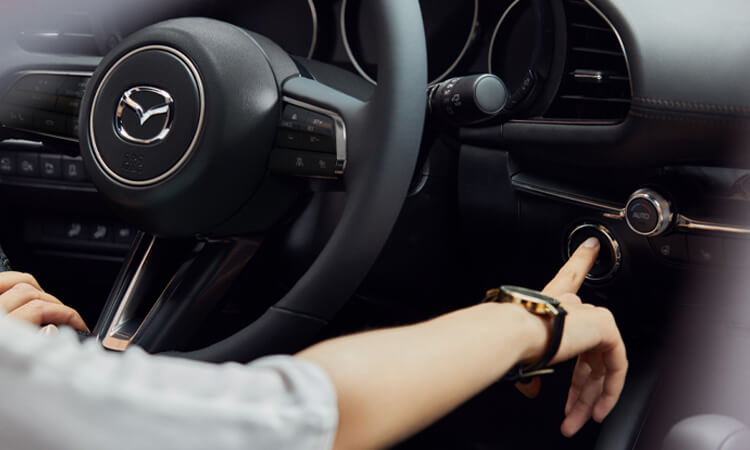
[{"x": 180, "y": 129}]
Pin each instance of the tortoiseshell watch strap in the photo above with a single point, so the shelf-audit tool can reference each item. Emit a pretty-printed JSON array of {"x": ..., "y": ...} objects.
[{"x": 536, "y": 303}]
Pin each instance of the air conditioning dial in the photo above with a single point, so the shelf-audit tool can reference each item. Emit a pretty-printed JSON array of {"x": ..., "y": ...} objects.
[{"x": 648, "y": 213}]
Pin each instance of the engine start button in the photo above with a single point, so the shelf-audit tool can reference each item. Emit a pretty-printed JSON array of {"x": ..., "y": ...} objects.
[{"x": 610, "y": 256}]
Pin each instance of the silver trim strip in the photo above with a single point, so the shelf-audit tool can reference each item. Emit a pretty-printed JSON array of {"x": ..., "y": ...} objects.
[
  {"x": 339, "y": 125},
  {"x": 69, "y": 73},
  {"x": 612, "y": 212},
  {"x": 451, "y": 68},
  {"x": 700, "y": 225},
  {"x": 571, "y": 198},
  {"x": 196, "y": 136},
  {"x": 315, "y": 24},
  {"x": 110, "y": 341},
  {"x": 65, "y": 73},
  {"x": 39, "y": 133}
]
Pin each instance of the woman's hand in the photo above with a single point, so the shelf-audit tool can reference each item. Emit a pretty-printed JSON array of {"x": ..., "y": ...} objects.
[
  {"x": 592, "y": 335},
  {"x": 23, "y": 299}
]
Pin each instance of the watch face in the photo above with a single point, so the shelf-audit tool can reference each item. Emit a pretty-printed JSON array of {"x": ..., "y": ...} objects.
[{"x": 534, "y": 301}]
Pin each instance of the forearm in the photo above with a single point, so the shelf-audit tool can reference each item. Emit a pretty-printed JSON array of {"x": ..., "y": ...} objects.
[{"x": 392, "y": 383}]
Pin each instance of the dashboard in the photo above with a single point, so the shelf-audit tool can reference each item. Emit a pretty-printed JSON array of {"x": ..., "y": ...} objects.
[{"x": 624, "y": 120}]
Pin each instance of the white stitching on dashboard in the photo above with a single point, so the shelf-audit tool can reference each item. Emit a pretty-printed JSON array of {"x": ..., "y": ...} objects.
[{"x": 697, "y": 120}]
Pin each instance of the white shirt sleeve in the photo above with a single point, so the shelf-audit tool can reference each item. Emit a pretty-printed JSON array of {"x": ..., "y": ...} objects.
[{"x": 56, "y": 393}]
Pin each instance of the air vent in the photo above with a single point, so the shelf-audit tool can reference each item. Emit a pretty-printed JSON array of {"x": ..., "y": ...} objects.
[{"x": 596, "y": 83}]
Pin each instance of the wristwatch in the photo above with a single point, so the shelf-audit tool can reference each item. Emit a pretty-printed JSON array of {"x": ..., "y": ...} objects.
[{"x": 536, "y": 303}]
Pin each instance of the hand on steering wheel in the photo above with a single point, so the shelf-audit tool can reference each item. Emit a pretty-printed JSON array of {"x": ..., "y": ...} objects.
[{"x": 23, "y": 299}]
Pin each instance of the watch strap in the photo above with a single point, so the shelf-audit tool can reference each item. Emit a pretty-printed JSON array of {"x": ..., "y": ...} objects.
[
  {"x": 521, "y": 372},
  {"x": 540, "y": 305}
]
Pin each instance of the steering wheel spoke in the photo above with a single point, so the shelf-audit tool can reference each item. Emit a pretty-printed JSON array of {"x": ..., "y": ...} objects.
[{"x": 167, "y": 287}]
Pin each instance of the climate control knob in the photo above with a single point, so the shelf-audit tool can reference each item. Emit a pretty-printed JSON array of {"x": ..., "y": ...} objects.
[{"x": 648, "y": 213}]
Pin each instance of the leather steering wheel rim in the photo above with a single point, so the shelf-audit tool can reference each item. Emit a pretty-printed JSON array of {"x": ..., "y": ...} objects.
[{"x": 386, "y": 131}]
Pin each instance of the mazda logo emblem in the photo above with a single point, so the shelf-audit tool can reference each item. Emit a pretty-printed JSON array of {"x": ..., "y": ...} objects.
[{"x": 141, "y": 124}]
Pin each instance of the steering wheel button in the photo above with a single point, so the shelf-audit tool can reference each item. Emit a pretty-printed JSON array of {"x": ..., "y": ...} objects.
[
  {"x": 301, "y": 119},
  {"x": 46, "y": 84},
  {"x": 68, "y": 105},
  {"x": 74, "y": 87},
  {"x": 16, "y": 117},
  {"x": 305, "y": 141},
  {"x": 51, "y": 123},
  {"x": 34, "y": 100},
  {"x": 73, "y": 127},
  {"x": 312, "y": 164}
]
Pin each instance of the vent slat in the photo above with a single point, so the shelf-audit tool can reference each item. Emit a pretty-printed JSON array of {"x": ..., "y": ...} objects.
[
  {"x": 598, "y": 51},
  {"x": 585, "y": 26},
  {"x": 597, "y": 85},
  {"x": 582, "y": 98}
]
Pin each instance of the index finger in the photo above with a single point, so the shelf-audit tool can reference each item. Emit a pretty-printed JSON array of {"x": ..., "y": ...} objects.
[{"x": 571, "y": 276}]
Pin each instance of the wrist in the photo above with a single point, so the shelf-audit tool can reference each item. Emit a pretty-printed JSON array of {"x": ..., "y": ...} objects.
[
  {"x": 536, "y": 333},
  {"x": 525, "y": 334}
]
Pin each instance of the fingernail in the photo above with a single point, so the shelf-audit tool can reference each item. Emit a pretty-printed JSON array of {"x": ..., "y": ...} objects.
[
  {"x": 49, "y": 330},
  {"x": 591, "y": 242}
]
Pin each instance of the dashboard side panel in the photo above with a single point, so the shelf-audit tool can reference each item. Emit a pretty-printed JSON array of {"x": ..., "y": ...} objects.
[{"x": 686, "y": 59}]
